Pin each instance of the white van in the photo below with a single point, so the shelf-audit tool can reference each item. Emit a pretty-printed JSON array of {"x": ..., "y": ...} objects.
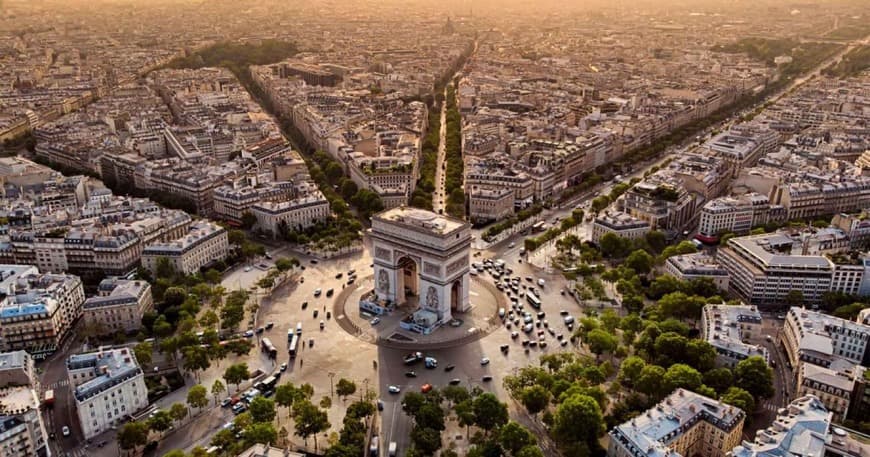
[
  {"x": 299, "y": 328},
  {"x": 392, "y": 449}
]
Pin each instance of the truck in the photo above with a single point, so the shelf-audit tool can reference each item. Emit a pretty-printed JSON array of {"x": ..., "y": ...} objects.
[
  {"x": 374, "y": 447},
  {"x": 391, "y": 451},
  {"x": 48, "y": 400}
]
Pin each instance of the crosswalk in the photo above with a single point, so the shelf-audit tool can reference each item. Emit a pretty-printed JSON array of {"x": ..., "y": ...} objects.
[
  {"x": 57, "y": 384},
  {"x": 79, "y": 452},
  {"x": 769, "y": 406}
]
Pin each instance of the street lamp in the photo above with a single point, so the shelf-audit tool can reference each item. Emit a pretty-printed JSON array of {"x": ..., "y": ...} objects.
[{"x": 331, "y": 391}]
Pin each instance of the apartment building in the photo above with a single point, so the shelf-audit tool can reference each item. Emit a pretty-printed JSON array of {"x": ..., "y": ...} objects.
[
  {"x": 820, "y": 339},
  {"x": 16, "y": 369},
  {"x": 727, "y": 328},
  {"x": 833, "y": 387},
  {"x": 732, "y": 214},
  {"x": 297, "y": 214},
  {"x": 696, "y": 266},
  {"x": 814, "y": 196},
  {"x": 620, "y": 224},
  {"x": 264, "y": 450},
  {"x": 803, "y": 428},
  {"x": 118, "y": 306},
  {"x": 662, "y": 201},
  {"x": 743, "y": 145},
  {"x": 37, "y": 310},
  {"x": 22, "y": 432},
  {"x": 203, "y": 245},
  {"x": 763, "y": 269},
  {"x": 486, "y": 204},
  {"x": 683, "y": 424},
  {"x": 108, "y": 386},
  {"x": 492, "y": 173}
]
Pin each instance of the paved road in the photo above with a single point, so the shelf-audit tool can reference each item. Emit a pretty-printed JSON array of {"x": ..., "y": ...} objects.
[{"x": 438, "y": 197}]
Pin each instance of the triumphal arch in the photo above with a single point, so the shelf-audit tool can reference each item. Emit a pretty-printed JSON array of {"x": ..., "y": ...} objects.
[{"x": 421, "y": 254}]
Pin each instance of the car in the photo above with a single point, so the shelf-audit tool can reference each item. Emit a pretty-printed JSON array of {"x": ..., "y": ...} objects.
[
  {"x": 542, "y": 344},
  {"x": 64, "y": 430},
  {"x": 561, "y": 291},
  {"x": 412, "y": 358},
  {"x": 504, "y": 348},
  {"x": 316, "y": 313},
  {"x": 260, "y": 330},
  {"x": 302, "y": 278},
  {"x": 425, "y": 388},
  {"x": 449, "y": 367},
  {"x": 410, "y": 374},
  {"x": 249, "y": 333},
  {"x": 514, "y": 335},
  {"x": 304, "y": 304},
  {"x": 380, "y": 405},
  {"x": 541, "y": 282},
  {"x": 314, "y": 261},
  {"x": 529, "y": 278},
  {"x": 351, "y": 280},
  {"x": 322, "y": 325},
  {"x": 268, "y": 256},
  {"x": 564, "y": 312},
  {"x": 239, "y": 408},
  {"x": 430, "y": 362},
  {"x": 317, "y": 292},
  {"x": 768, "y": 337},
  {"x": 284, "y": 366},
  {"x": 512, "y": 244},
  {"x": 486, "y": 378},
  {"x": 563, "y": 343},
  {"x": 330, "y": 292},
  {"x": 270, "y": 325},
  {"x": 501, "y": 313},
  {"x": 310, "y": 342},
  {"x": 454, "y": 381},
  {"x": 375, "y": 321},
  {"x": 394, "y": 389},
  {"x": 339, "y": 276},
  {"x": 484, "y": 361}
]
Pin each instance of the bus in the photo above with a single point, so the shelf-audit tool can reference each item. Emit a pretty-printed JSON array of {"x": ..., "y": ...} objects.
[
  {"x": 269, "y": 348},
  {"x": 267, "y": 384},
  {"x": 533, "y": 300},
  {"x": 539, "y": 226},
  {"x": 48, "y": 400},
  {"x": 292, "y": 346}
]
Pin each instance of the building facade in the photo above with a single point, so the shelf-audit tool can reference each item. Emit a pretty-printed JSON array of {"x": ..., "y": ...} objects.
[
  {"x": 108, "y": 385},
  {"x": 726, "y": 328},
  {"x": 119, "y": 306},
  {"x": 204, "y": 244},
  {"x": 619, "y": 224}
]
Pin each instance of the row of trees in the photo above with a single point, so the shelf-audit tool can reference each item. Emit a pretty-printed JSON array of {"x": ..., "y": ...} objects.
[
  {"x": 569, "y": 222},
  {"x": 504, "y": 224},
  {"x": 455, "y": 166},
  {"x": 422, "y": 196}
]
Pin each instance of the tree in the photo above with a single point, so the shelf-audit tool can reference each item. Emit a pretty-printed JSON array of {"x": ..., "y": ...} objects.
[
  {"x": 284, "y": 264},
  {"x": 326, "y": 402},
  {"x": 535, "y": 399},
  {"x": 680, "y": 375},
  {"x": 700, "y": 354},
  {"x": 640, "y": 261},
  {"x": 196, "y": 359},
  {"x": 174, "y": 296},
  {"x": 455, "y": 394},
  {"x": 262, "y": 432},
  {"x": 650, "y": 381},
  {"x": 754, "y": 376},
  {"x": 513, "y": 437},
  {"x": 794, "y": 297},
  {"x": 465, "y": 414},
  {"x": 740, "y": 398},
  {"x": 175, "y": 453},
  {"x": 599, "y": 203},
  {"x": 197, "y": 396},
  {"x": 360, "y": 409},
  {"x": 489, "y": 412},
  {"x": 412, "y": 402},
  {"x": 530, "y": 451},
  {"x": 431, "y": 416},
  {"x": 160, "y": 421},
  {"x": 310, "y": 420},
  {"x": 425, "y": 440},
  {"x": 178, "y": 411},
  {"x": 236, "y": 374},
  {"x": 578, "y": 420},
  {"x": 248, "y": 220},
  {"x": 719, "y": 379},
  {"x": 143, "y": 352},
  {"x": 262, "y": 409},
  {"x": 630, "y": 370},
  {"x": 237, "y": 237},
  {"x": 656, "y": 240},
  {"x": 132, "y": 435},
  {"x": 217, "y": 389},
  {"x": 600, "y": 341},
  {"x": 344, "y": 388},
  {"x": 613, "y": 246},
  {"x": 348, "y": 188}
]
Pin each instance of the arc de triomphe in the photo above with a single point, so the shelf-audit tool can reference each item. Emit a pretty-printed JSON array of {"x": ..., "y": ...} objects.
[{"x": 423, "y": 253}]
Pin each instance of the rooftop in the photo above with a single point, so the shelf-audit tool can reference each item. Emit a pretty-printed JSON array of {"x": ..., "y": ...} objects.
[
  {"x": 419, "y": 218},
  {"x": 723, "y": 329},
  {"x": 650, "y": 433},
  {"x": 111, "y": 367},
  {"x": 800, "y": 429}
]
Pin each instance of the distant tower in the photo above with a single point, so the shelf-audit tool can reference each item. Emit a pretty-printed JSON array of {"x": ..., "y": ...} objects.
[{"x": 448, "y": 27}]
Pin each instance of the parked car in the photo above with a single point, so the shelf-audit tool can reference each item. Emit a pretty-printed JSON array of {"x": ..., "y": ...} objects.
[
  {"x": 455, "y": 381},
  {"x": 375, "y": 321},
  {"x": 65, "y": 431},
  {"x": 284, "y": 367},
  {"x": 226, "y": 402},
  {"x": 394, "y": 389},
  {"x": 484, "y": 361}
]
